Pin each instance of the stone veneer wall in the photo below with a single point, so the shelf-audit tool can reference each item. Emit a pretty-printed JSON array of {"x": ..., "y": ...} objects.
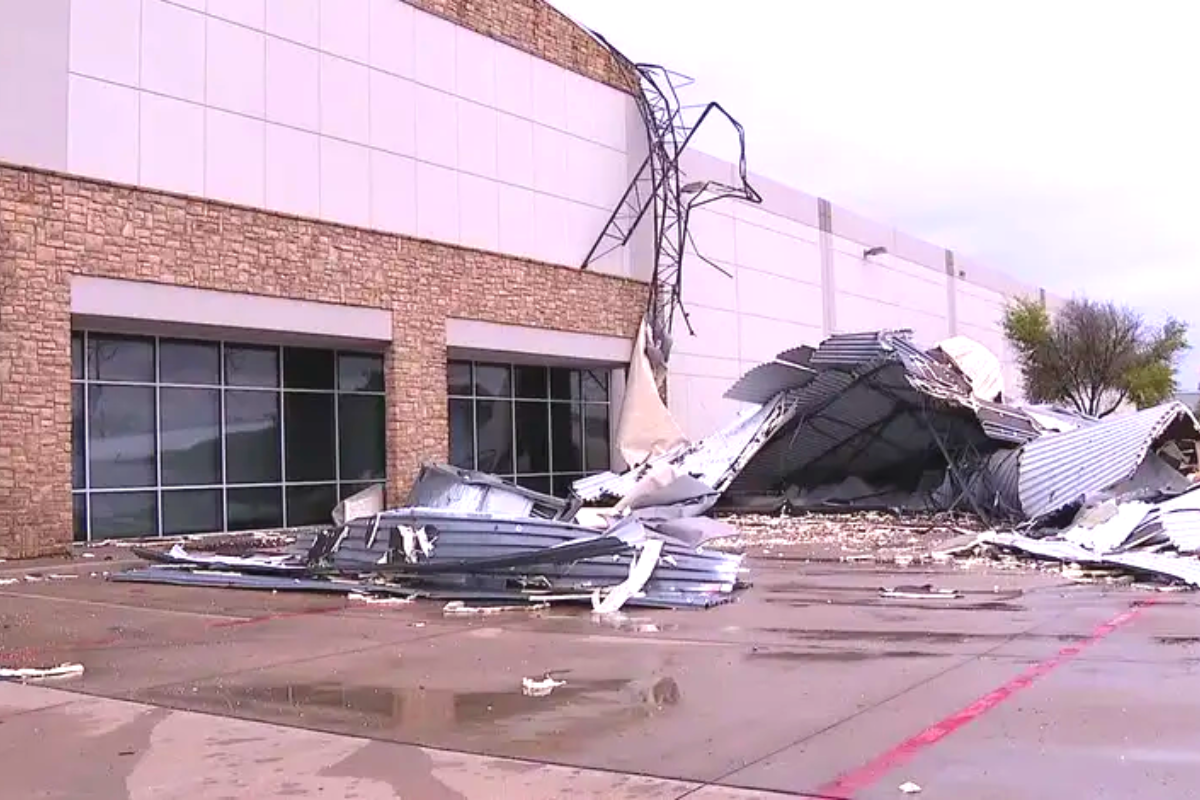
[
  {"x": 540, "y": 30},
  {"x": 53, "y": 226}
]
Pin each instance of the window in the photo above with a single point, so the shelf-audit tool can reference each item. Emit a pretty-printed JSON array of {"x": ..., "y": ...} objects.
[
  {"x": 172, "y": 436},
  {"x": 542, "y": 427}
]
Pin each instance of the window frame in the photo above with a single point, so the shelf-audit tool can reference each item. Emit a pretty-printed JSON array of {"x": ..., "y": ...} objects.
[
  {"x": 575, "y": 397},
  {"x": 81, "y": 376}
]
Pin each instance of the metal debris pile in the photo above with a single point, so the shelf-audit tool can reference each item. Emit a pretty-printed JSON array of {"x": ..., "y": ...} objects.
[
  {"x": 871, "y": 422},
  {"x": 469, "y": 537}
]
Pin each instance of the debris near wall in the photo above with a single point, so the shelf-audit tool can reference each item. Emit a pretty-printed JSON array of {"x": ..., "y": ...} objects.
[
  {"x": 474, "y": 539},
  {"x": 871, "y": 423},
  {"x": 853, "y": 536}
]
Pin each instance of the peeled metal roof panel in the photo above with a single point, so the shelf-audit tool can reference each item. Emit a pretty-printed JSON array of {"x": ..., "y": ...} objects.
[
  {"x": 1058, "y": 469},
  {"x": 853, "y": 349},
  {"x": 710, "y": 460},
  {"x": 763, "y": 382},
  {"x": 801, "y": 356}
]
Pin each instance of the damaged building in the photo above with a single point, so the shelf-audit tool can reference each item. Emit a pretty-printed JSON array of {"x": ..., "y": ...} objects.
[{"x": 256, "y": 258}]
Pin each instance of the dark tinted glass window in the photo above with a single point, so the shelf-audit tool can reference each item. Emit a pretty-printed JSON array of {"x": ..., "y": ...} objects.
[
  {"x": 252, "y": 366},
  {"x": 308, "y": 425},
  {"x": 79, "y": 509},
  {"x": 530, "y": 382},
  {"x": 566, "y": 431},
  {"x": 78, "y": 414},
  {"x": 120, "y": 358},
  {"x": 124, "y": 514},
  {"x": 311, "y": 505},
  {"x": 595, "y": 386},
  {"x": 562, "y": 484},
  {"x": 257, "y": 508},
  {"x": 494, "y": 430},
  {"x": 360, "y": 373},
  {"x": 189, "y": 362},
  {"x": 350, "y": 489},
  {"x": 595, "y": 420},
  {"x": 462, "y": 434},
  {"x": 121, "y": 436},
  {"x": 361, "y": 437},
  {"x": 304, "y": 368},
  {"x": 538, "y": 483},
  {"x": 458, "y": 377},
  {"x": 492, "y": 380},
  {"x": 564, "y": 383},
  {"x": 196, "y": 511},
  {"x": 77, "y": 356},
  {"x": 533, "y": 437},
  {"x": 252, "y": 437},
  {"x": 191, "y": 436}
]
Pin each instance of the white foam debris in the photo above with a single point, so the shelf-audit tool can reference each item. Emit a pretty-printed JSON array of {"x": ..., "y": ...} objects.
[
  {"x": 379, "y": 601},
  {"x": 535, "y": 687},
  {"x": 36, "y": 673},
  {"x": 908, "y": 787}
]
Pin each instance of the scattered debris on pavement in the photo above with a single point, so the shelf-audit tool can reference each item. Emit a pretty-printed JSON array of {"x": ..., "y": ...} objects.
[
  {"x": 36, "y": 673},
  {"x": 540, "y": 687},
  {"x": 908, "y": 787},
  {"x": 924, "y": 592}
]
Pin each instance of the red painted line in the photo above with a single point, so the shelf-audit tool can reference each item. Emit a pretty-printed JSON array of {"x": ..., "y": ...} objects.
[{"x": 845, "y": 785}]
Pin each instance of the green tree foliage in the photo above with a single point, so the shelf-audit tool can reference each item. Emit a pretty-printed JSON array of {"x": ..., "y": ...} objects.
[{"x": 1094, "y": 355}]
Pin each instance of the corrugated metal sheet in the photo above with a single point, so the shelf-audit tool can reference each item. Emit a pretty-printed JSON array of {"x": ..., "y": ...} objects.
[
  {"x": 763, "y": 382},
  {"x": 853, "y": 349},
  {"x": 1059, "y": 469},
  {"x": 801, "y": 356}
]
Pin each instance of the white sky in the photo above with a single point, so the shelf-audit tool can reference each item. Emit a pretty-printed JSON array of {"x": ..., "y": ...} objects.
[{"x": 1056, "y": 141}]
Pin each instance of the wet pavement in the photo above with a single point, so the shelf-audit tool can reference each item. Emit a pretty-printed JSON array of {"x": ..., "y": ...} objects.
[{"x": 1025, "y": 686}]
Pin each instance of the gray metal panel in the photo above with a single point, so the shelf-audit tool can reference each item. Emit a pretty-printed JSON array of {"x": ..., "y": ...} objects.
[
  {"x": 853, "y": 349},
  {"x": 1058, "y": 469},
  {"x": 800, "y": 356},
  {"x": 763, "y": 382}
]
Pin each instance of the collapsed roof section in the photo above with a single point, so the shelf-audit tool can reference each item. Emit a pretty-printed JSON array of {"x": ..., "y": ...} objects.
[
  {"x": 873, "y": 408},
  {"x": 871, "y": 405}
]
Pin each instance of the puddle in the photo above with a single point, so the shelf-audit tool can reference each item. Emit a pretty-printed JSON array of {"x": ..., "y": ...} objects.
[
  {"x": 836, "y": 656},
  {"x": 891, "y": 635},
  {"x": 420, "y": 710},
  {"x": 1178, "y": 640}
]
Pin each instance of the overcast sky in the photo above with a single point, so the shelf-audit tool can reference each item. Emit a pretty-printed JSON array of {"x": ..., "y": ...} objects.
[{"x": 1055, "y": 141}]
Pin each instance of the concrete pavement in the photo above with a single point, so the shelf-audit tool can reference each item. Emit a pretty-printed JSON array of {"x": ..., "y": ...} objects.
[{"x": 1026, "y": 686}]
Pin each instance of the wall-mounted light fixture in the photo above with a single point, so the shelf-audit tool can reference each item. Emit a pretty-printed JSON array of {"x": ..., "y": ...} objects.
[{"x": 874, "y": 251}]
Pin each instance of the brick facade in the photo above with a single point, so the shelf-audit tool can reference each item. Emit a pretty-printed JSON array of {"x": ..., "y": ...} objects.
[
  {"x": 53, "y": 226},
  {"x": 540, "y": 30}
]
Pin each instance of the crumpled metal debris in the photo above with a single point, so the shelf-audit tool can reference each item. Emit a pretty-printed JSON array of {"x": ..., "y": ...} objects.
[
  {"x": 647, "y": 556},
  {"x": 869, "y": 420}
]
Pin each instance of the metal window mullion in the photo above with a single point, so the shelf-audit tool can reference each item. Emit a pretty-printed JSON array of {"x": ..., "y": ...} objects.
[
  {"x": 221, "y": 432},
  {"x": 282, "y": 406},
  {"x": 474, "y": 419},
  {"x": 87, "y": 445},
  {"x": 337, "y": 424},
  {"x": 158, "y": 499}
]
